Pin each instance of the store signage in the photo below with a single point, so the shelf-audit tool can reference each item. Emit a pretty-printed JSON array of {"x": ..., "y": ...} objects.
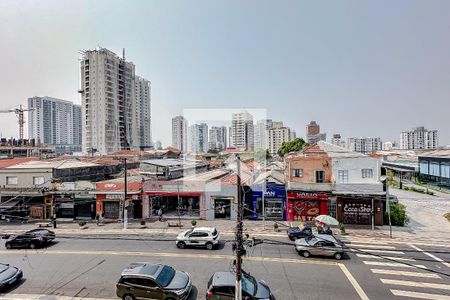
[
  {"x": 307, "y": 196},
  {"x": 359, "y": 208}
]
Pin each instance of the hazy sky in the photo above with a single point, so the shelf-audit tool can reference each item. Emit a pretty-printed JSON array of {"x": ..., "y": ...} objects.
[{"x": 360, "y": 68}]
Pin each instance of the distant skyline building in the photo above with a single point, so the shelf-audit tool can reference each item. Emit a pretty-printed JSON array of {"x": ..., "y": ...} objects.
[
  {"x": 179, "y": 133},
  {"x": 337, "y": 140},
  {"x": 242, "y": 130},
  {"x": 143, "y": 112},
  {"x": 277, "y": 135},
  {"x": 261, "y": 133},
  {"x": 111, "y": 116},
  {"x": 55, "y": 122},
  {"x": 158, "y": 145},
  {"x": 313, "y": 134},
  {"x": 388, "y": 146},
  {"x": 364, "y": 145},
  {"x": 198, "y": 138},
  {"x": 218, "y": 137},
  {"x": 419, "y": 138}
]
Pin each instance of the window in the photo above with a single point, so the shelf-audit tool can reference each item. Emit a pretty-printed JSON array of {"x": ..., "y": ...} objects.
[
  {"x": 38, "y": 180},
  {"x": 367, "y": 173},
  {"x": 11, "y": 180},
  {"x": 297, "y": 172},
  {"x": 320, "y": 176},
  {"x": 343, "y": 176}
]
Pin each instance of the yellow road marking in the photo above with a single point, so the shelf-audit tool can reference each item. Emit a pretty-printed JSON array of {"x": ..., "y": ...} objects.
[{"x": 169, "y": 254}]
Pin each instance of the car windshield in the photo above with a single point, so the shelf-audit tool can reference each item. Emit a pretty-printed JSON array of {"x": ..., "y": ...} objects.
[
  {"x": 188, "y": 232},
  {"x": 214, "y": 233},
  {"x": 249, "y": 285},
  {"x": 165, "y": 276}
]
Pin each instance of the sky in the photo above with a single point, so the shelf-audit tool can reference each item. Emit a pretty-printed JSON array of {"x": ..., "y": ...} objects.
[{"x": 359, "y": 68}]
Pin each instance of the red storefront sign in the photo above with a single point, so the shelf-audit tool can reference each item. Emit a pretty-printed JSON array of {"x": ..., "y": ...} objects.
[{"x": 306, "y": 206}]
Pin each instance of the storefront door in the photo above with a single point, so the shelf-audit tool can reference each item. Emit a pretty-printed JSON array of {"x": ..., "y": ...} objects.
[
  {"x": 222, "y": 207},
  {"x": 357, "y": 213}
]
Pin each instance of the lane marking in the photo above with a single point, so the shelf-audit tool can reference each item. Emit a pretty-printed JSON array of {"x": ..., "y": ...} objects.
[
  {"x": 170, "y": 254},
  {"x": 405, "y": 273},
  {"x": 420, "y": 295},
  {"x": 416, "y": 284},
  {"x": 388, "y": 264},
  {"x": 381, "y": 251},
  {"x": 353, "y": 282},
  {"x": 371, "y": 246},
  {"x": 42, "y": 296},
  {"x": 431, "y": 255},
  {"x": 384, "y": 257}
]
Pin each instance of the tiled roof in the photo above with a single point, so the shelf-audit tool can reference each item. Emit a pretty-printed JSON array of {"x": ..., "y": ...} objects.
[{"x": 4, "y": 163}]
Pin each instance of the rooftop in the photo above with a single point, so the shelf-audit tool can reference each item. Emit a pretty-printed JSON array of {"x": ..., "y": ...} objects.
[
  {"x": 9, "y": 162},
  {"x": 437, "y": 153}
]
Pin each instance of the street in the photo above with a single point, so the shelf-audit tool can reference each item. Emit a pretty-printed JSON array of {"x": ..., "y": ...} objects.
[{"x": 90, "y": 267}]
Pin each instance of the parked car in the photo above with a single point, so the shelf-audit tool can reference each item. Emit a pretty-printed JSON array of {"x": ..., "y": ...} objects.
[
  {"x": 222, "y": 286},
  {"x": 297, "y": 232},
  {"x": 8, "y": 276},
  {"x": 26, "y": 240},
  {"x": 321, "y": 244},
  {"x": 198, "y": 237},
  {"x": 153, "y": 281}
]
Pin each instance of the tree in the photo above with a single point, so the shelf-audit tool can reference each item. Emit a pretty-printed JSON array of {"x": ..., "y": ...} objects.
[{"x": 294, "y": 145}]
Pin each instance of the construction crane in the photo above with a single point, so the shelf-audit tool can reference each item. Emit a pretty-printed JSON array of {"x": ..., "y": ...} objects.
[{"x": 19, "y": 113}]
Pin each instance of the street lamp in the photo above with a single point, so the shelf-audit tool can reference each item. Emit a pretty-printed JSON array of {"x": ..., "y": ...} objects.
[{"x": 384, "y": 178}]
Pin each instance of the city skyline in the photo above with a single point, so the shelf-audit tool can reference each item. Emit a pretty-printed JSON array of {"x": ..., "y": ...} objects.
[{"x": 283, "y": 61}]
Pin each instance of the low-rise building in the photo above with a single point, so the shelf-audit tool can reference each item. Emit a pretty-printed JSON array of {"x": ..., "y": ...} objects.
[{"x": 434, "y": 168}]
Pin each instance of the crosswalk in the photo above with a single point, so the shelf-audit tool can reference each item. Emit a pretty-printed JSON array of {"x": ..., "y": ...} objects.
[{"x": 403, "y": 274}]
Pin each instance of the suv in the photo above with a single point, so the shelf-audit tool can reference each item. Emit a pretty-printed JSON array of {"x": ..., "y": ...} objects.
[
  {"x": 222, "y": 286},
  {"x": 200, "y": 236},
  {"x": 153, "y": 281}
]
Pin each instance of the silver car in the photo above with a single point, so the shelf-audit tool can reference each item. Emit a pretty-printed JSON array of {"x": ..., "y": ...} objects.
[
  {"x": 198, "y": 237},
  {"x": 325, "y": 245}
]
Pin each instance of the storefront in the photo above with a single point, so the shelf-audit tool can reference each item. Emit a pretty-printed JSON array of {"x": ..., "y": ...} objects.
[
  {"x": 355, "y": 209},
  {"x": 274, "y": 202},
  {"x": 222, "y": 206},
  {"x": 306, "y": 206},
  {"x": 174, "y": 204}
]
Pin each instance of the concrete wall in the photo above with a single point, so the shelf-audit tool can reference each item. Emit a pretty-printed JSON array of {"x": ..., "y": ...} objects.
[
  {"x": 25, "y": 177},
  {"x": 354, "y": 166}
]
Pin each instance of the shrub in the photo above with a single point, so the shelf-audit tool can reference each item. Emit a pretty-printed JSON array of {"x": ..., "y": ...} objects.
[
  {"x": 142, "y": 222},
  {"x": 82, "y": 223},
  {"x": 406, "y": 188},
  {"x": 398, "y": 215},
  {"x": 430, "y": 193},
  {"x": 275, "y": 225},
  {"x": 342, "y": 228},
  {"x": 194, "y": 222}
]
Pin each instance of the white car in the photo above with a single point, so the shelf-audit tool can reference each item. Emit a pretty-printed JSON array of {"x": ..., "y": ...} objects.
[{"x": 199, "y": 237}]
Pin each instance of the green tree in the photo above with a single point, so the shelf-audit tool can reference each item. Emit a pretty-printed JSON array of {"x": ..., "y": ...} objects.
[{"x": 294, "y": 145}]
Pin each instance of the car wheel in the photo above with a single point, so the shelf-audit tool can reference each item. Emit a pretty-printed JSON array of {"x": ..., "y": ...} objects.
[
  {"x": 338, "y": 256},
  {"x": 32, "y": 246},
  {"x": 209, "y": 246},
  {"x": 8, "y": 246},
  {"x": 127, "y": 297},
  {"x": 181, "y": 245},
  {"x": 306, "y": 254}
]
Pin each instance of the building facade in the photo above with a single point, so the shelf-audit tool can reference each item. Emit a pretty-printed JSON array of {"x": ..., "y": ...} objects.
[
  {"x": 55, "y": 122},
  {"x": 111, "y": 112},
  {"x": 419, "y": 138},
  {"x": 313, "y": 134},
  {"x": 218, "y": 138},
  {"x": 261, "y": 133},
  {"x": 242, "y": 130},
  {"x": 198, "y": 138},
  {"x": 143, "y": 113},
  {"x": 337, "y": 140},
  {"x": 364, "y": 145},
  {"x": 277, "y": 135},
  {"x": 179, "y": 133},
  {"x": 434, "y": 168}
]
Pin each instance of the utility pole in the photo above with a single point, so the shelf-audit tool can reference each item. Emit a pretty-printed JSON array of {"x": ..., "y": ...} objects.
[
  {"x": 388, "y": 208},
  {"x": 373, "y": 215},
  {"x": 125, "y": 208},
  {"x": 239, "y": 242},
  {"x": 264, "y": 203},
  {"x": 178, "y": 195}
]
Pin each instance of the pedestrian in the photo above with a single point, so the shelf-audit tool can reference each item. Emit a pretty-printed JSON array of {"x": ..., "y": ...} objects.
[
  {"x": 97, "y": 219},
  {"x": 160, "y": 213},
  {"x": 54, "y": 221}
]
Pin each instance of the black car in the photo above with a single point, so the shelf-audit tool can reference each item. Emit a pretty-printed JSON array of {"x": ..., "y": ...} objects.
[
  {"x": 298, "y": 233},
  {"x": 222, "y": 286},
  {"x": 8, "y": 276},
  {"x": 31, "y": 239},
  {"x": 154, "y": 281}
]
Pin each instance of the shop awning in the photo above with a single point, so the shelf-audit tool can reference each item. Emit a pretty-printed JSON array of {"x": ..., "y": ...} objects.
[{"x": 167, "y": 193}]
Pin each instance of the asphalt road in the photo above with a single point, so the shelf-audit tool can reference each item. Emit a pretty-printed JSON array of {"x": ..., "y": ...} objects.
[{"x": 78, "y": 267}]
